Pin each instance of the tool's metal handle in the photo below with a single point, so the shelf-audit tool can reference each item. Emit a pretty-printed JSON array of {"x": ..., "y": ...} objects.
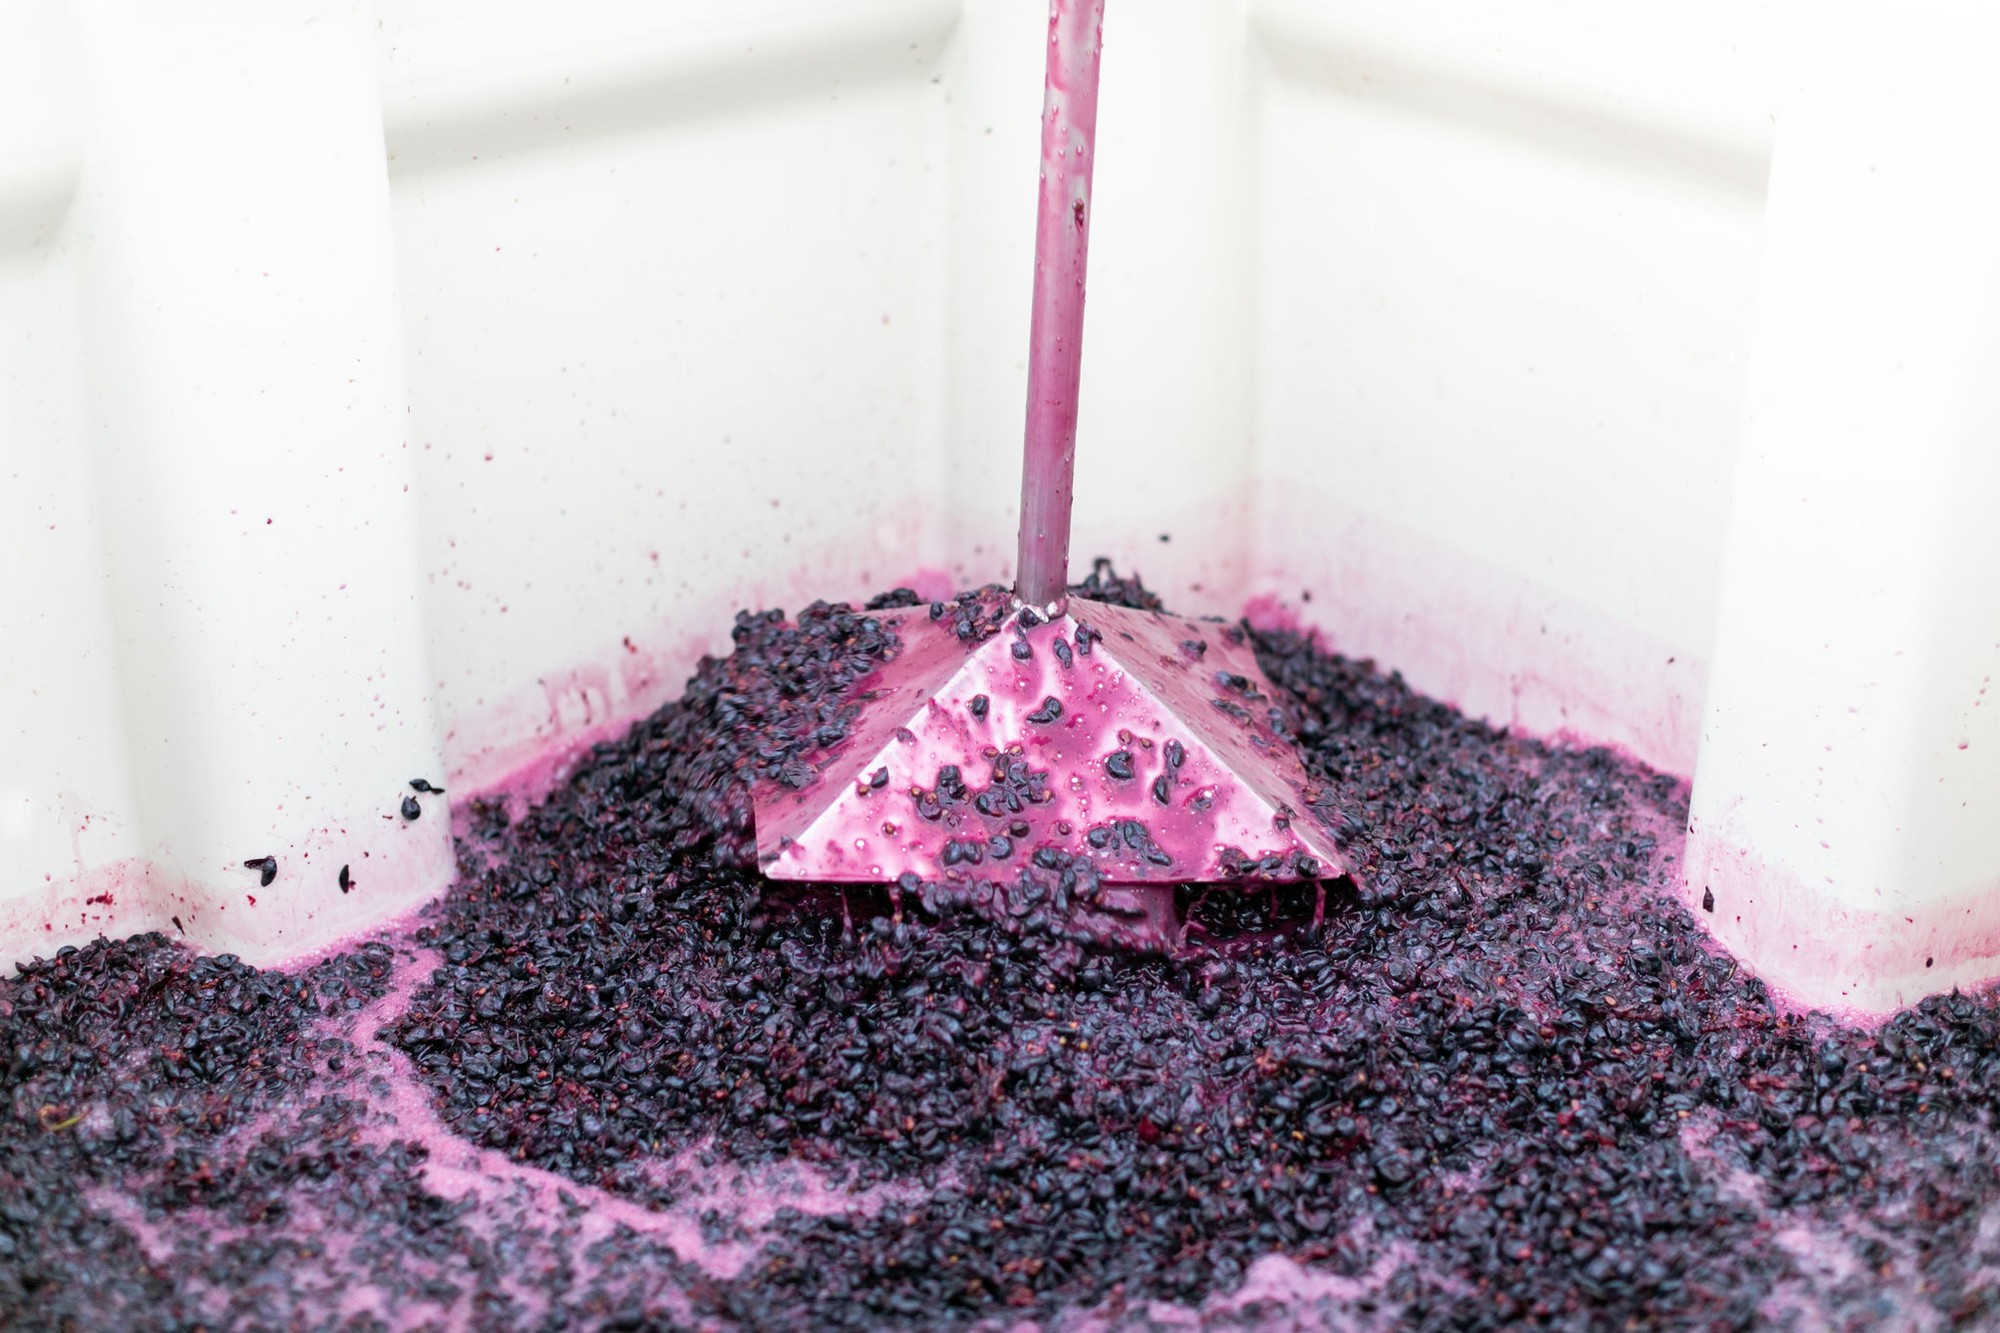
[{"x": 1055, "y": 340}]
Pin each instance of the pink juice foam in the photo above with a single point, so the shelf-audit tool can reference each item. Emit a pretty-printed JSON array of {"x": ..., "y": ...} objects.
[{"x": 558, "y": 1230}]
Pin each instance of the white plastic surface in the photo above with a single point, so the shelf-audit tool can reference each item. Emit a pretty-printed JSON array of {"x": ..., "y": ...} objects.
[
  {"x": 216, "y": 639},
  {"x": 1846, "y": 823},
  {"x": 1430, "y": 323}
]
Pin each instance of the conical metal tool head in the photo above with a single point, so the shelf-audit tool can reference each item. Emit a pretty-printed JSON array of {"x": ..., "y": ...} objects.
[{"x": 1138, "y": 739}]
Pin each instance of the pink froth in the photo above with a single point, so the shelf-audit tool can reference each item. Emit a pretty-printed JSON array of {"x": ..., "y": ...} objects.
[
  {"x": 1827, "y": 1249},
  {"x": 1278, "y": 1293},
  {"x": 564, "y": 1231}
]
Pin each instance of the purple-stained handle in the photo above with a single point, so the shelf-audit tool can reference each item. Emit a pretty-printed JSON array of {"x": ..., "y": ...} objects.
[{"x": 1055, "y": 339}]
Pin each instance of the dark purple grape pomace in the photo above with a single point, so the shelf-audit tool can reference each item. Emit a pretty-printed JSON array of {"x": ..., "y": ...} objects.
[{"x": 616, "y": 1080}]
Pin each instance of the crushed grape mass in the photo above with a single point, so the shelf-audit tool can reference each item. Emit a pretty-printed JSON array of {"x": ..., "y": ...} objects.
[{"x": 616, "y": 1080}]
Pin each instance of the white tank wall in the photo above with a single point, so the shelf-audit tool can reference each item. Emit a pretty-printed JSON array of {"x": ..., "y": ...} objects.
[
  {"x": 1503, "y": 286},
  {"x": 216, "y": 636},
  {"x": 672, "y": 284},
  {"x": 1429, "y": 324},
  {"x": 1846, "y": 819}
]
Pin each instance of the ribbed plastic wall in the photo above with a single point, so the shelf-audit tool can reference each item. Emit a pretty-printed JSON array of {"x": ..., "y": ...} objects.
[{"x": 416, "y": 389}]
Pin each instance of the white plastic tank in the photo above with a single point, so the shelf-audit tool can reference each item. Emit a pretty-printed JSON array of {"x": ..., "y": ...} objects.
[{"x": 414, "y": 390}]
